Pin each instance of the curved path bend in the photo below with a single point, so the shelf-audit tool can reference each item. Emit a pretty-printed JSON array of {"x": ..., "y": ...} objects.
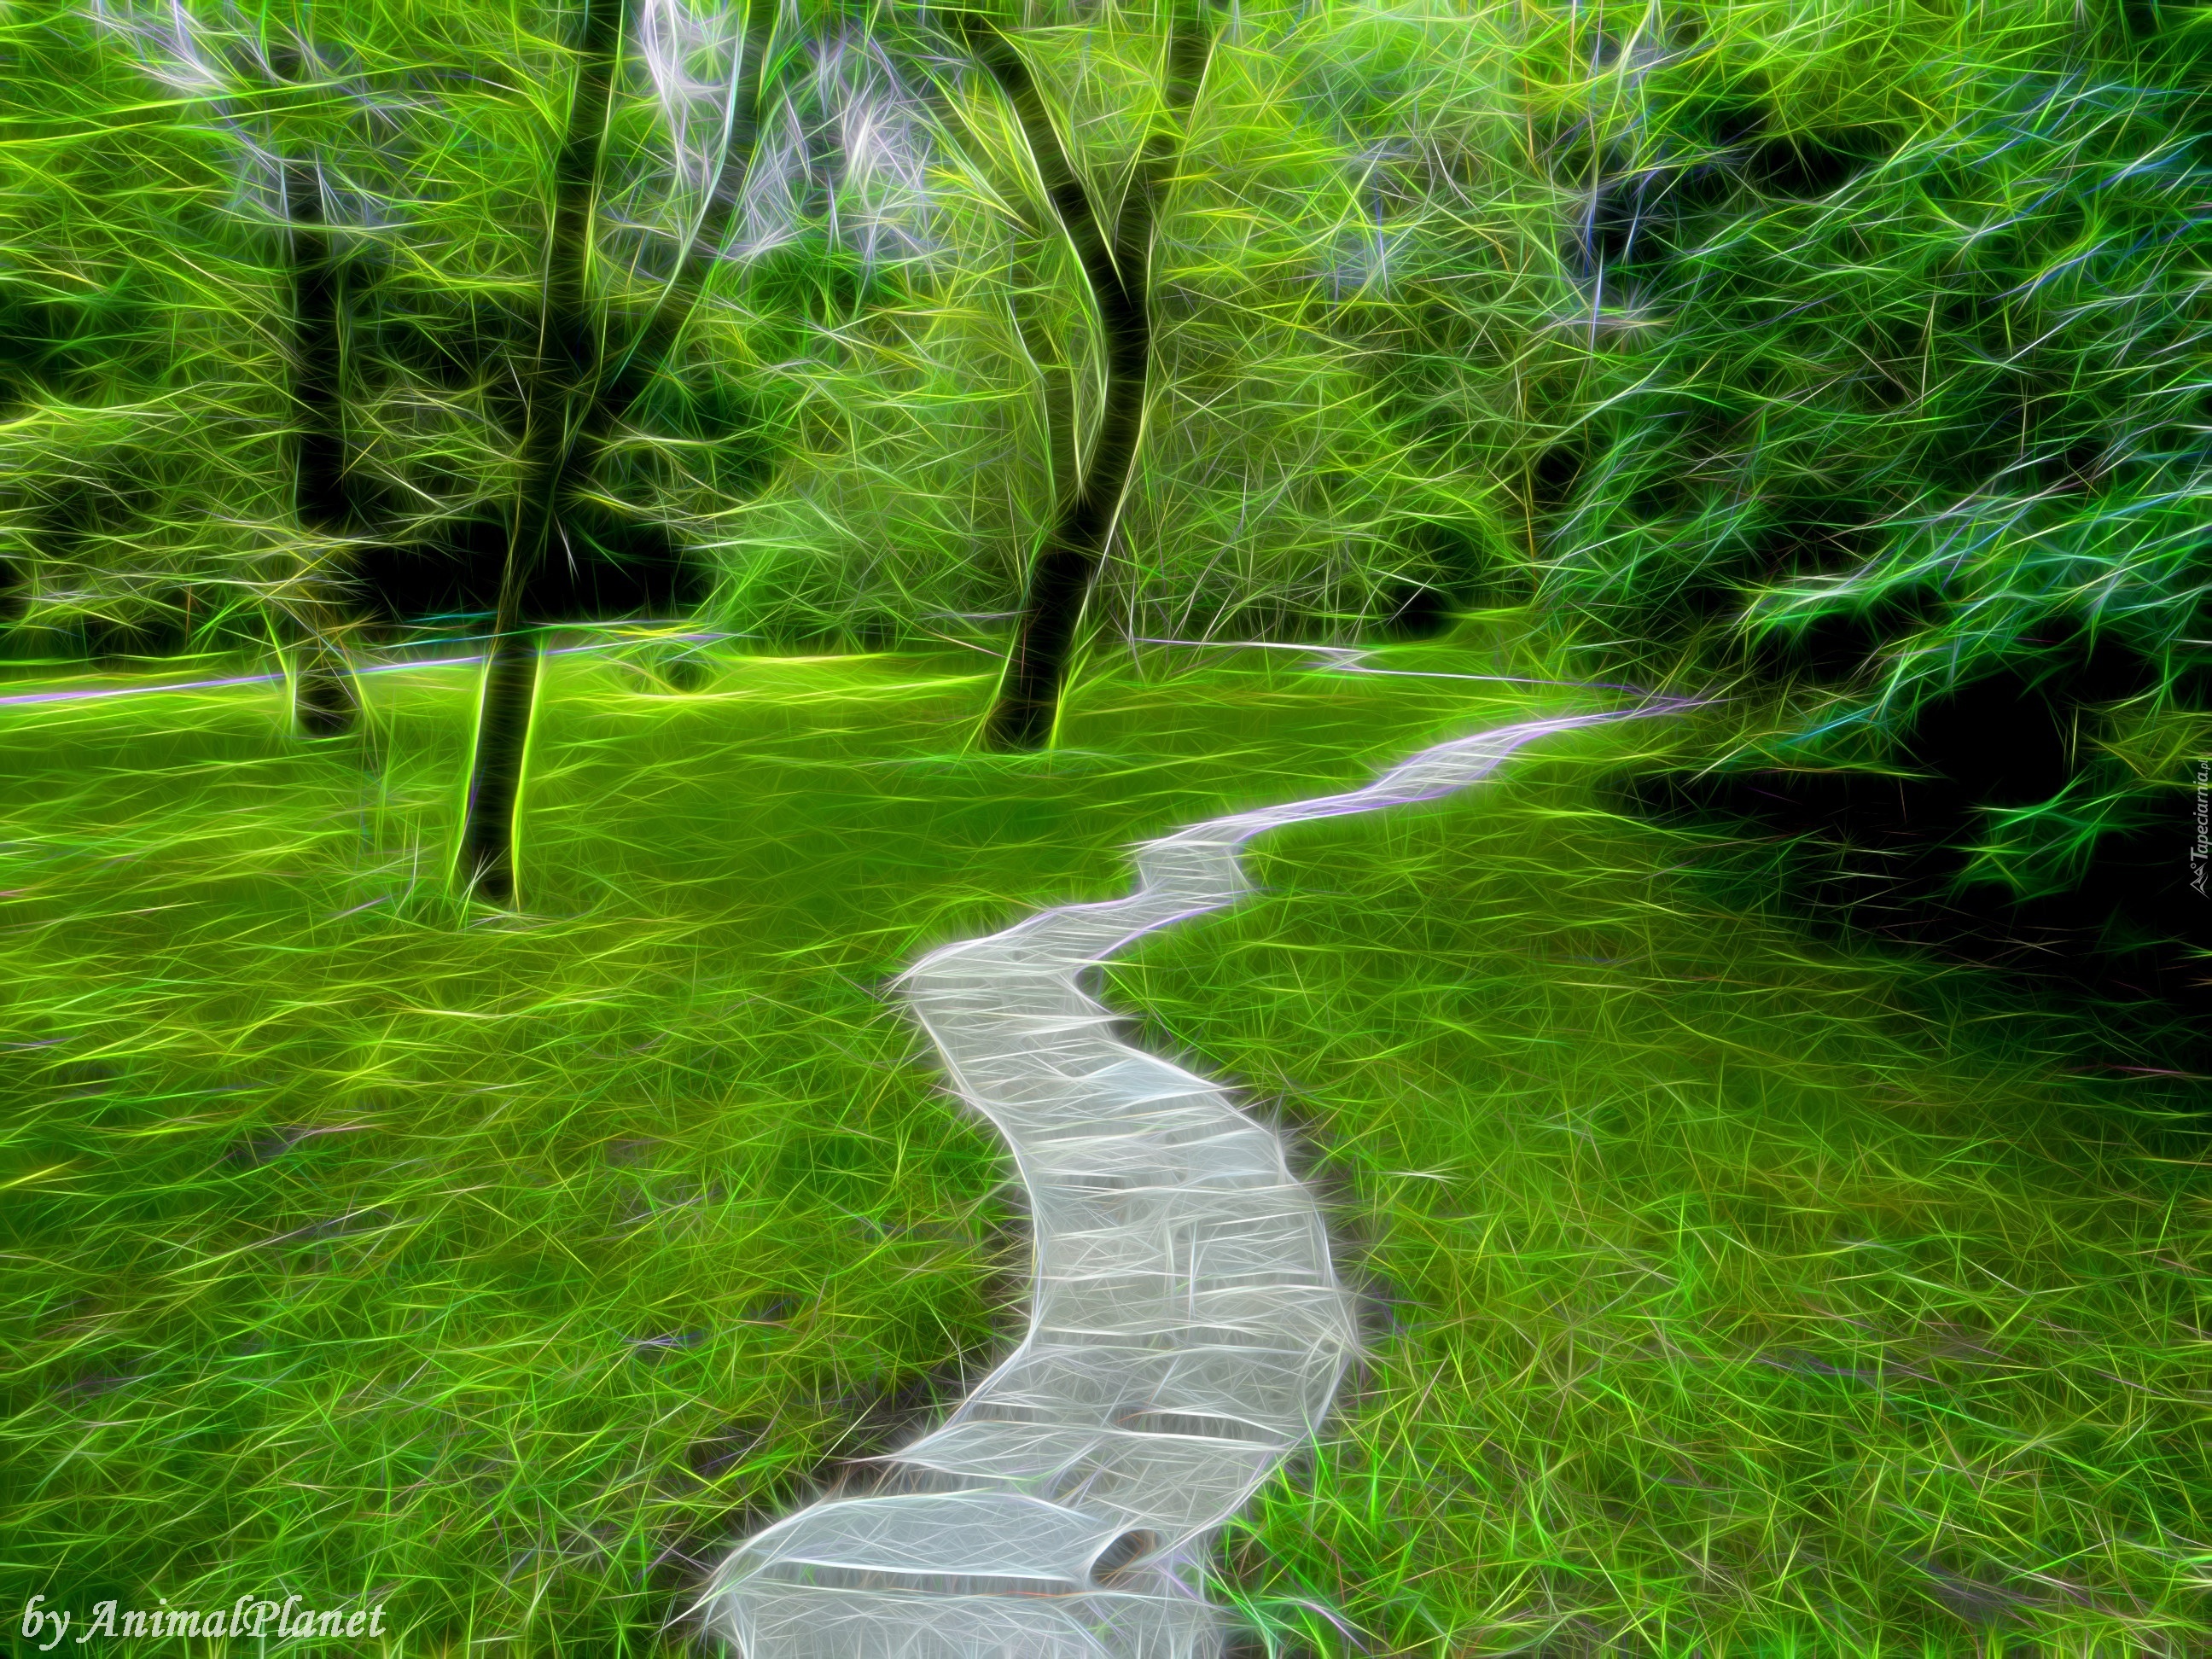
[{"x": 1187, "y": 1329}]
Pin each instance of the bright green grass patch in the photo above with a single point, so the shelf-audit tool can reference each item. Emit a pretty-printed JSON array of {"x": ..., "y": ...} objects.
[
  {"x": 1745, "y": 1296},
  {"x": 503, "y": 1271},
  {"x": 498, "y": 1271}
]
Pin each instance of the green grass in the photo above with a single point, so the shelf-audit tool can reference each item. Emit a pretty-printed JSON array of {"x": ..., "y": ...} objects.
[
  {"x": 490, "y": 1269},
  {"x": 503, "y": 1269},
  {"x": 1746, "y": 1296}
]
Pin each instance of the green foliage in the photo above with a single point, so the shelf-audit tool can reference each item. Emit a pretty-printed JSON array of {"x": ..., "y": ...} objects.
[
  {"x": 1909, "y": 398},
  {"x": 1719, "y": 325}
]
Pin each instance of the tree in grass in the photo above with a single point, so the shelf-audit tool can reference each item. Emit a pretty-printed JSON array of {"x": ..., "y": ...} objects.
[
  {"x": 560, "y": 387},
  {"x": 325, "y": 703},
  {"x": 580, "y": 383},
  {"x": 246, "y": 77},
  {"x": 638, "y": 205},
  {"x": 1114, "y": 243}
]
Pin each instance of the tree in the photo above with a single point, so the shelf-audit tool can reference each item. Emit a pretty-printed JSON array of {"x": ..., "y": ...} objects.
[
  {"x": 580, "y": 374},
  {"x": 575, "y": 389},
  {"x": 244, "y": 79},
  {"x": 1114, "y": 249},
  {"x": 325, "y": 703}
]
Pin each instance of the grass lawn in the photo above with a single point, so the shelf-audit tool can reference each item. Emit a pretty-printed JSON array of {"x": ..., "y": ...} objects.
[{"x": 1733, "y": 1293}]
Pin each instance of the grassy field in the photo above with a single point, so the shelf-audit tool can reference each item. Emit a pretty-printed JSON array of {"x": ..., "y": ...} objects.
[{"x": 1731, "y": 1293}]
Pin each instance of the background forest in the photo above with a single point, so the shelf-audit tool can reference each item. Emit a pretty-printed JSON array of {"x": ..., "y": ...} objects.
[{"x": 1852, "y": 350}]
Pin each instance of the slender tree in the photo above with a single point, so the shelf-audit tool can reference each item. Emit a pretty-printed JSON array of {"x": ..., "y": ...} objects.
[
  {"x": 558, "y": 385},
  {"x": 197, "y": 61},
  {"x": 576, "y": 391},
  {"x": 1115, "y": 257},
  {"x": 325, "y": 702}
]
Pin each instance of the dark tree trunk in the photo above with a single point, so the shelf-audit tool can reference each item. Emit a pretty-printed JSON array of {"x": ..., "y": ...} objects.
[
  {"x": 575, "y": 396},
  {"x": 325, "y": 702},
  {"x": 558, "y": 387},
  {"x": 1116, "y": 264}
]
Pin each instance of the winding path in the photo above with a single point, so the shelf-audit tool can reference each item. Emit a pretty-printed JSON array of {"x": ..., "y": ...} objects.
[{"x": 1187, "y": 1330}]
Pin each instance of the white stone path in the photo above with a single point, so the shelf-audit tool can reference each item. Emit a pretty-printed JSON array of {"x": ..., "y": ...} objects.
[{"x": 1187, "y": 1330}]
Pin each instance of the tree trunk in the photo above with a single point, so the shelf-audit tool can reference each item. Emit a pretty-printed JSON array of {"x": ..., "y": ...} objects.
[
  {"x": 576, "y": 396},
  {"x": 325, "y": 702},
  {"x": 1116, "y": 266},
  {"x": 559, "y": 388}
]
